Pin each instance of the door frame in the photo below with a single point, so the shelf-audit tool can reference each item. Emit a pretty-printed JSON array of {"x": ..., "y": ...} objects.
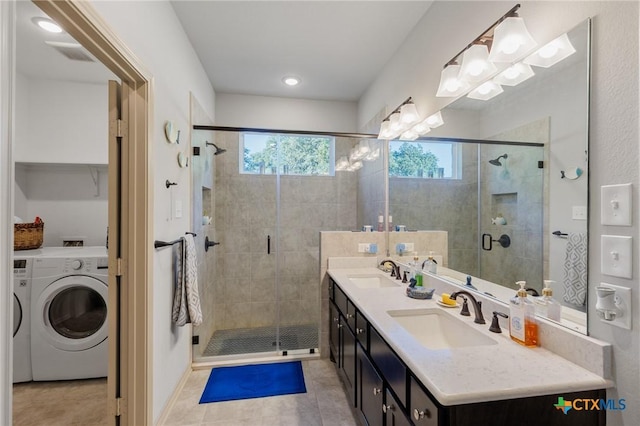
[{"x": 134, "y": 267}]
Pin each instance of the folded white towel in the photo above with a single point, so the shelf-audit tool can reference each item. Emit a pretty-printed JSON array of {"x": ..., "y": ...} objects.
[
  {"x": 186, "y": 299},
  {"x": 575, "y": 270}
]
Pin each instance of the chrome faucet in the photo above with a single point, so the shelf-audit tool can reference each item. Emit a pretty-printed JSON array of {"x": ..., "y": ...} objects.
[{"x": 477, "y": 305}]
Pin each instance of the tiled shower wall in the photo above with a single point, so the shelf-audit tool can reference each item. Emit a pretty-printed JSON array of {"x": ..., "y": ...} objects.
[
  {"x": 246, "y": 294},
  {"x": 519, "y": 191},
  {"x": 443, "y": 204}
]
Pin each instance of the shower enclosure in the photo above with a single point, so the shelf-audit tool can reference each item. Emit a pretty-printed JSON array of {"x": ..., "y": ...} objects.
[
  {"x": 482, "y": 183},
  {"x": 267, "y": 206}
]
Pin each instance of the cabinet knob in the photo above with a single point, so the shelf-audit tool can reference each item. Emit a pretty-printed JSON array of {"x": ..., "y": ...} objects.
[
  {"x": 336, "y": 319},
  {"x": 421, "y": 414},
  {"x": 359, "y": 330},
  {"x": 376, "y": 391},
  {"x": 388, "y": 407},
  {"x": 339, "y": 326}
]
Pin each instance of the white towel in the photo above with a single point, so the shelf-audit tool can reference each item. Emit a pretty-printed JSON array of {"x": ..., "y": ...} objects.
[
  {"x": 575, "y": 270},
  {"x": 186, "y": 301}
]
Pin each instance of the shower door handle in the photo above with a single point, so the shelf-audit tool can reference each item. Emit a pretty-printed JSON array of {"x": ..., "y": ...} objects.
[
  {"x": 268, "y": 244},
  {"x": 504, "y": 241}
]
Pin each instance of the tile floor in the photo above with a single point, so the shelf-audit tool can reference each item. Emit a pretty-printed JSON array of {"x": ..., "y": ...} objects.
[
  {"x": 64, "y": 403},
  {"x": 324, "y": 404}
]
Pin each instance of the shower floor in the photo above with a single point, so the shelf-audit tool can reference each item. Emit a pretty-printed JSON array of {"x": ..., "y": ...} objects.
[{"x": 262, "y": 339}]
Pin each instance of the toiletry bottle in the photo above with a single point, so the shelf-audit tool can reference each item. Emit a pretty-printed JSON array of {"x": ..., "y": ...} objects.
[
  {"x": 522, "y": 318},
  {"x": 417, "y": 270},
  {"x": 380, "y": 223},
  {"x": 431, "y": 264},
  {"x": 549, "y": 307},
  {"x": 390, "y": 224}
]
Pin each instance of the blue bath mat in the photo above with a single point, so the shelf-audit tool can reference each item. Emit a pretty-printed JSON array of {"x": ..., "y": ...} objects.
[{"x": 253, "y": 381}]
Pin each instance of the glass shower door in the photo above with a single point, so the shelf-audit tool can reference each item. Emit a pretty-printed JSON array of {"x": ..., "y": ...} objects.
[{"x": 510, "y": 219}]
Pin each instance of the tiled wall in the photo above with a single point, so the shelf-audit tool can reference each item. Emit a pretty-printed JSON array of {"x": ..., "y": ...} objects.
[
  {"x": 443, "y": 204},
  {"x": 517, "y": 190},
  {"x": 345, "y": 244},
  {"x": 246, "y": 294}
]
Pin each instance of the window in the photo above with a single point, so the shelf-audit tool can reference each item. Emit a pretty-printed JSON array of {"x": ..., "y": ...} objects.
[
  {"x": 431, "y": 160},
  {"x": 265, "y": 153}
]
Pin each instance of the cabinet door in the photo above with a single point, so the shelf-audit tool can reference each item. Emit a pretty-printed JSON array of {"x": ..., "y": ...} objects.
[
  {"x": 391, "y": 367},
  {"x": 370, "y": 396},
  {"x": 393, "y": 415},
  {"x": 334, "y": 332},
  {"x": 349, "y": 362},
  {"x": 422, "y": 409},
  {"x": 362, "y": 331}
]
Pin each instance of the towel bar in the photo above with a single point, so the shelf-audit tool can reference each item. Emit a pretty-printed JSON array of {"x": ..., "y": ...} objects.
[{"x": 159, "y": 244}]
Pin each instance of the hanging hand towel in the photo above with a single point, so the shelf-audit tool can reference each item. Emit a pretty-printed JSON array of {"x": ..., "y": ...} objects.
[
  {"x": 191, "y": 280},
  {"x": 180, "y": 313},
  {"x": 575, "y": 270}
]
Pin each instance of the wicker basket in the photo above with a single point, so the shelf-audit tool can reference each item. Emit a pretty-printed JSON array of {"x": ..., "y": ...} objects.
[{"x": 27, "y": 236}]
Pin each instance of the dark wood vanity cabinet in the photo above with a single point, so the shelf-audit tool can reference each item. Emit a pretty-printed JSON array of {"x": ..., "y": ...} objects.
[
  {"x": 393, "y": 414},
  {"x": 370, "y": 390},
  {"x": 387, "y": 393}
]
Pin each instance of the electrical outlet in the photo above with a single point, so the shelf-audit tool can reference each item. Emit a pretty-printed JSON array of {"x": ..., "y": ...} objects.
[
  {"x": 367, "y": 248},
  {"x": 178, "y": 209},
  {"x": 622, "y": 300},
  {"x": 579, "y": 213}
]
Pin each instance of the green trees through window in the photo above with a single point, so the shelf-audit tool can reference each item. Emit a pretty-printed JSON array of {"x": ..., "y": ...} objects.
[
  {"x": 432, "y": 159},
  {"x": 290, "y": 154}
]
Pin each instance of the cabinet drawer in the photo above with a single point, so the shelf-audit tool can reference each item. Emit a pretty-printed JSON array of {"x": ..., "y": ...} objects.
[
  {"x": 340, "y": 299},
  {"x": 422, "y": 409},
  {"x": 393, "y": 415},
  {"x": 362, "y": 331},
  {"x": 332, "y": 284},
  {"x": 350, "y": 316},
  {"x": 391, "y": 367}
]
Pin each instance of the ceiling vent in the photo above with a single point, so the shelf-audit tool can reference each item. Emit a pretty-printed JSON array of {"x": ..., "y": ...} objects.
[{"x": 73, "y": 51}]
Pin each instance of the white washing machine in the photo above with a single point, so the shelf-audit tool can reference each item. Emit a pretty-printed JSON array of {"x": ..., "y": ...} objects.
[
  {"x": 22, "y": 268},
  {"x": 69, "y": 314}
]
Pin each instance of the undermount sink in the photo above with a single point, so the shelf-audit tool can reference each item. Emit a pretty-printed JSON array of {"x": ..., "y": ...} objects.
[
  {"x": 372, "y": 281},
  {"x": 435, "y": 329}
]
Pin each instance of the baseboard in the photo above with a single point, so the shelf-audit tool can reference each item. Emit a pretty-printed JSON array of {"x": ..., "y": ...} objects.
[{"x": 174, "y": 396}]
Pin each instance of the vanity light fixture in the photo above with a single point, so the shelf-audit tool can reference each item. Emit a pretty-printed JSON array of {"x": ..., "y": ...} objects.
[
  {"x": 511, "y": 40},
  {"x": 514, "y": 75},
  {"x": 410, "y": 126},
  {"x": 551, "y": 53},
  {"x": 47, "y": 24},
  {"x": 475, "y": 64},
  {"x": 486, "y": 91},
  {"x": 451, "y": 85}
]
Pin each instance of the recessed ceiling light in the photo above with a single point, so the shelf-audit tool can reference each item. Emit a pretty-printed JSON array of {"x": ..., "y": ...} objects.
[
  {"x": 47, "y": 24},
  {"x": 291, "y": 81}
]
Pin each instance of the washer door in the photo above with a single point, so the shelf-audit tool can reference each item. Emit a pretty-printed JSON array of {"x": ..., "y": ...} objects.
[
  {"x": 74, "y": 313},
  {"x": 17, "y": 314}
]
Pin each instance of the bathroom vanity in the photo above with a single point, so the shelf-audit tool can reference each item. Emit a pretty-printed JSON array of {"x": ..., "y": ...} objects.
[{"x": 399, "y": 365}]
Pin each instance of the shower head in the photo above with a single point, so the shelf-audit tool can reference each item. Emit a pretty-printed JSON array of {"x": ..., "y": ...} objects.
[
  {"x": 218, "y": 150},
  {"x": 497, "y": 162}
]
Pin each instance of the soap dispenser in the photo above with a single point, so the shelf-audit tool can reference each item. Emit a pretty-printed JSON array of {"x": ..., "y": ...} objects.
[
  {"x": 548, "y": 306},
  {"x": 431, "y": 264},
  {"x": 416, "y": 270},
  {"x": 522, "y": 318}
]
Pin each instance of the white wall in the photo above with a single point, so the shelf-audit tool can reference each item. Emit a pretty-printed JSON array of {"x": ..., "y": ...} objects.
[
  {"x": 614, "y": 126},
  {"x": 285, "y": 113},
  {"x": 153, "y": 33}
]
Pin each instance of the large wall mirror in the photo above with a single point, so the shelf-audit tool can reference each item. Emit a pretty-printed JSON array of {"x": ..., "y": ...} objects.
[{"x": 525, "y": 177}]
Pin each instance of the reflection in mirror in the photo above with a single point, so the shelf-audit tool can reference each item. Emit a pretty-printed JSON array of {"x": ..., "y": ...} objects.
[{"x": 497, "y": 189}]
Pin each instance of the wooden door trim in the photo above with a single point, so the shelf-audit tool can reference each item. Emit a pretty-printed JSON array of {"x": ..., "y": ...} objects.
[{"x": 81, "y": 21}]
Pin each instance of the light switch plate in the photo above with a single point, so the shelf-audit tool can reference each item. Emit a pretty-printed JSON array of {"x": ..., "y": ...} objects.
[
  {"x": 623, "y": 303},
  {"x": 178, "y": 209},
  {"x": 616, "y": 256},
  {"x": 615, "y": 201}
]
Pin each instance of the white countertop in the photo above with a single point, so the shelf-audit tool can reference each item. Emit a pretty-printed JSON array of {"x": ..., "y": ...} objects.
[{"x": 506, "y": 370}]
